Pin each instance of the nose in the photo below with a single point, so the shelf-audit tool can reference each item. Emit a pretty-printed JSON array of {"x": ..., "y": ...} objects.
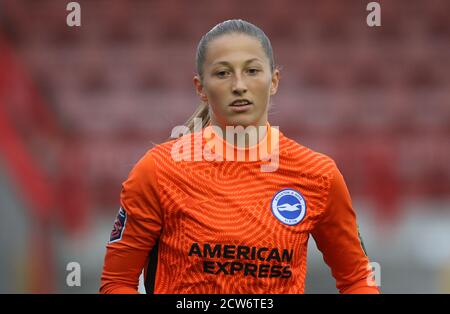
[{"x": 239, "y": 87}]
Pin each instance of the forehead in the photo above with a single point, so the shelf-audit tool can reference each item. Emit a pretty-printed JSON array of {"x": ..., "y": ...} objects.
[{"x": 234, "y": 48}]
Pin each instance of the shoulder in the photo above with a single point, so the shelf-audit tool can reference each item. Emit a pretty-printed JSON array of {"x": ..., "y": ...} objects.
[
  {"x": 307, "y": 160},
  {"x": 164, "y": 155},
  {"x": 166, "y": 149}
]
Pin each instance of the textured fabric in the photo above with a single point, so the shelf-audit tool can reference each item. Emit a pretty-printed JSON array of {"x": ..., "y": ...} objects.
[{"x": 217, "y": 230}]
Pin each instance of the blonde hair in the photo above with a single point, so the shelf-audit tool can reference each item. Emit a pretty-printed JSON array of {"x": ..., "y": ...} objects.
[{"x": 202, "y": 112}]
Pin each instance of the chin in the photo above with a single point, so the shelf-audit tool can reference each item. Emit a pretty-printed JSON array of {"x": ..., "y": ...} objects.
[{"x": 242, "y": 121}]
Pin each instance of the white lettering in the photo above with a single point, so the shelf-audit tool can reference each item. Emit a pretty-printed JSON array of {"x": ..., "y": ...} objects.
[
  {"x": 374, "y": 17},
  {"x": 74, "y": 17},
  {"x": 74, "y": 277}
]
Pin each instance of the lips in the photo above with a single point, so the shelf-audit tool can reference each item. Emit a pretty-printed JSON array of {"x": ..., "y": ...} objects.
[{"x": 240, "y": 103}]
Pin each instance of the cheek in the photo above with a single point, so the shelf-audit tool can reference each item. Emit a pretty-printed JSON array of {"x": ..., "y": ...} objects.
[
  {"x": 262, "y": 87},
  {"x": 217, "y": 94}
]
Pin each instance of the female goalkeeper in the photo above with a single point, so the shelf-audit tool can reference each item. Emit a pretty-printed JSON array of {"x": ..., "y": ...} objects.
[{"x": 229, "y": 204}]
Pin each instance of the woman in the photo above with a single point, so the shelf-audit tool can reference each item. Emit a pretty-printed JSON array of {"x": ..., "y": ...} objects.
[{"x": 202, "y": 215}]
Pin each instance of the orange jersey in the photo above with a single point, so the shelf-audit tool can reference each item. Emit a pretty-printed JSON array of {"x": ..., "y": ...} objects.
[{"x": 222, "y": 226}]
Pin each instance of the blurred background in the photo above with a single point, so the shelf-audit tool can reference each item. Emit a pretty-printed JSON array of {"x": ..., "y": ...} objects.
[{"x": 80, "y": 105}]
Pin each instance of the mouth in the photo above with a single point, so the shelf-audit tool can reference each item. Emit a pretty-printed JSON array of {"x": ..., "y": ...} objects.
[{"x": 241, "y": 105}]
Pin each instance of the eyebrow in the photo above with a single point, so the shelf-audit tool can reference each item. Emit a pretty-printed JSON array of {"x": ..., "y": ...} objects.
[{"x": 227, "y": 63}]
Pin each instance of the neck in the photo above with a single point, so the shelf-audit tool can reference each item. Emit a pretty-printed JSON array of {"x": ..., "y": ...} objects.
[{"x": 242, "y": 137}]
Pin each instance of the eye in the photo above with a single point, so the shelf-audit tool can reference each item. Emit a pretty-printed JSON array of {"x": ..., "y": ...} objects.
[
  {"x": 222, "y": 74},
  {"x": 253, "y": 71}
]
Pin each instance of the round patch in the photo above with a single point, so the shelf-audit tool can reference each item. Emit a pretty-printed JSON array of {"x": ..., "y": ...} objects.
[{"x": 289, "y": 206}]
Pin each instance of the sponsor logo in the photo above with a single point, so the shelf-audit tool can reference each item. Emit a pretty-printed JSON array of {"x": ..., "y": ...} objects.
[{"x": 119, "y": 226}]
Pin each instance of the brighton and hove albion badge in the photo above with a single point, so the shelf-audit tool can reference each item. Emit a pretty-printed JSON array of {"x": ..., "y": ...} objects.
[{"x": 289, "y": 206}]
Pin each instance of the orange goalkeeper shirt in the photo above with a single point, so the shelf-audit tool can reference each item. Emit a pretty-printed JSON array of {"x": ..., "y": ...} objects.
[{"x": 222, "y": 226}]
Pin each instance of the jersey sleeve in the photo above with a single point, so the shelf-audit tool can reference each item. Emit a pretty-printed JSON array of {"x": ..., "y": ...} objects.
[
  {"x": 337, "y": 237},
  {"x": 136, "y": 230}
]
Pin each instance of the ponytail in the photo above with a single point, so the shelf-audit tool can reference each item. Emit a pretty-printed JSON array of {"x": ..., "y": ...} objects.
[{"x": 202, "y": 112}]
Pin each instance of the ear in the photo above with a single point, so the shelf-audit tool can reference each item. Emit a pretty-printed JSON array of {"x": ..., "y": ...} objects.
[
  {"x": 199, "y": 88},
  {"x": 275, "y": 81}
]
